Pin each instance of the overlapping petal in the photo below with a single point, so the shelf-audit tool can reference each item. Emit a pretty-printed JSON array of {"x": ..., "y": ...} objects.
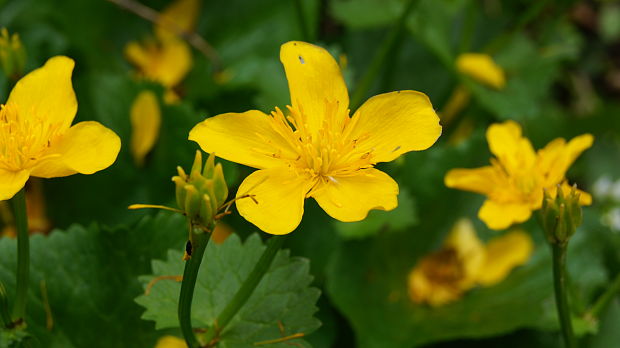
[
  {"x": 350, "y": 198},
  {"x": 11, "y": 182},
  {"x": 277, "y": 203},
  {"x": 480, "y": 180},
  {"x": 499, "y": 216},
  {"x": 248, "y": 138},
  {"x": 87, "y": 147},
  {"x": 47, "y": 93},
  {"x": 314, "y": 81},
  {"x": 390, "y": 124},
  {"x": 513, "y": 150}
]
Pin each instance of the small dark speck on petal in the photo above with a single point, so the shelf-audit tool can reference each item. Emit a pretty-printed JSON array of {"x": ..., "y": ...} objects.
[{"x": 301, "y": 59}]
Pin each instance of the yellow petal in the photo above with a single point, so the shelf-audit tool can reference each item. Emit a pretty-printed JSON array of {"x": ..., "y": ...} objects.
[
  {"x": 390, "y": 124},
  {"x": 499, "y": 216},
  {"x": 87, "y": 147},
  {"x": 145, "y": 122},
  {"x": 482, "y": 68},
  {"x": 513, "y": 150},
  {"x": 278, "y": 199},
  {"x": 138, "y": 54},
  {"x": 503, "y": 254},
  {"x": 180, "y": 15},
  {"x": 480, "y": 180},
  {"x": 350, "y": 198},
  {"x": 555, "y": 159},
  {"x": 247, "y": 138},
  {"x": 314, "y": 81},
  {"x": 469, "y": 248},
  {"x": 423, "y": 285},
  {"x": 175, "y": 62},
  {"x": 11, "y": 182},
  {"x": 47, "y": 92},
  {"x": 170, "y": 342}
]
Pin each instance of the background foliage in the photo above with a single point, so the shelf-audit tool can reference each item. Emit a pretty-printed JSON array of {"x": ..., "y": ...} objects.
[{"x": 561, "y": 60}]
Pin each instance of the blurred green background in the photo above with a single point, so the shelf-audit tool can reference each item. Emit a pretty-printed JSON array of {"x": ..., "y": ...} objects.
[{"x": 562, "y": 64}]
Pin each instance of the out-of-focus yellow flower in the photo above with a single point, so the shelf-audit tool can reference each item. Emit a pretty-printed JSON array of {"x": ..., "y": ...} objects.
[
  {"x": 316, "y": 149},
  {"x": 465, "y": 262},
  {"x": 36, "y": 136},
  {"x": 482, "y": 68},
  {"x": 166, "y": 58},
  {"x": 35, "y": 208},
  {"x": 170, "y": 342},
  {"x": 12, "y": 54},
  {"x": 221, "y": 232},
  {"x": 145, "y": 123},
  {"x": 516, "y": 178}
]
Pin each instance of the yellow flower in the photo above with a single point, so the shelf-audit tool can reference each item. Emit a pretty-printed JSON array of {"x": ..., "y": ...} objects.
[
  {"x": 516, "y": 178},
  {"x": 166, "y": 59},
  {"x": 482, "y": 68},
  {"x": 465, "y": 262},
  {"x": 316, "y": 149},
  {"x": 145, "y": 122},
  {"x": 170, "y": 342},
  {"x": 36, "y": 136}
]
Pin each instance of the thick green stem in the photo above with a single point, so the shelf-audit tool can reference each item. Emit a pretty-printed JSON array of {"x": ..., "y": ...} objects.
[
  {"x": 23, "y": 254},
  {"x": 378, "y": 60},
  {"x": 561, "y": 298},
  {"x": 603, "y": 301},
  {"x": 301, "y": 19},
  {"x": 190, "y": 274},
  {"x": 246, "y": 290}
]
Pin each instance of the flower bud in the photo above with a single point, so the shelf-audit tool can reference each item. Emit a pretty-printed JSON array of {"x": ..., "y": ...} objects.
[
  {"x": 12, "y": 54},
  {"x": 561, "y": 215},
  {"x": 201, "y": 193}
]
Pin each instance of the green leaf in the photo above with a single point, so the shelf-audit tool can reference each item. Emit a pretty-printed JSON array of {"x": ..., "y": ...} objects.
[
  {"x": 367, "y": 281},
  {"x": 90, "y": 276},
  {"x": 283, "y": 303},
  {"x": 403, "y": 216}
]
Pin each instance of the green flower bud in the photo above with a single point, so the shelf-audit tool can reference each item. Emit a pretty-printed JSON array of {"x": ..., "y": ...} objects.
[
  {"x": 561, "y": 215},
  {"x": 201, "y": 193},
  {"x": 12, "y": 54}
]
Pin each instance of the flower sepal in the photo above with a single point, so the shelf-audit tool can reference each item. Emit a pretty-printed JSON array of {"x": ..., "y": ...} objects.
[{"x": 561, "y": 215}]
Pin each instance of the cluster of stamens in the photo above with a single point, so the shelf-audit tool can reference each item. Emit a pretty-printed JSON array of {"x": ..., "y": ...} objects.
[{"x": 24, "y": 140}]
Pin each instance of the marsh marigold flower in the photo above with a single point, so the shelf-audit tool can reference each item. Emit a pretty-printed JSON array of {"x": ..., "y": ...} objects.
[
  {"x": 464, "y": 262},
  {"x": 36, "y": 135},
  {"x": 315, "y": 149},
  {"x": 517, "y": 176},
  {"x": 166, "y": 58},
  {"x": 482, "y": 68}
]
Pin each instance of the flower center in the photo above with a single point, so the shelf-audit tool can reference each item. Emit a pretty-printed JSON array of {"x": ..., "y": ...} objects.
[
  {"x": 327, "y": 152},
  {"x": 516, "y": 184},
  {"x": 24, "y": 140}
]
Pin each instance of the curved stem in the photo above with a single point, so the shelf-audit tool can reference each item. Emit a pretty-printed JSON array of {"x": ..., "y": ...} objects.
[
  {"x": 379, "y": 58},
  {"x": 609, "y": 294},
  {"x": 246, "y": 290},
  {"x": 190, "y": 274},
  {"x": 23, "y": 254},
  {"x": 561, "y": 299}
]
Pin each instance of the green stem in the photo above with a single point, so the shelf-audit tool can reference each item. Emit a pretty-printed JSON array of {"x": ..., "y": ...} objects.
[
  {"x": 5, "y": 315},
  {"x": 246, "y": 290},
  {"x": 23, "y": 254},
  {"x": 190, "y": 274},
  {"x": 379, "y": 58},
  {"x": 602, "y": 302},
  {"x": 301, "y": 18},
  {"x": 561, "y": 299}
]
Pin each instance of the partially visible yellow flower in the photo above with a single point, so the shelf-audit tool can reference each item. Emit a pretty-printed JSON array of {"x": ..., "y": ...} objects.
[
  {"x": 145, "y": 123},
  {"x": 314, "y": 148},
  {"x": 166, "y": 58},
  {"x": 482, "y": 68},
  {"x": 36, "y": 136},
  {"x": 12, "y": 54},
  {"x": 170, "y": 342},
  {"x": 517, "y": 176},
  {"x": 464, "y": 262},
  {"x": 221, "y": 232}
]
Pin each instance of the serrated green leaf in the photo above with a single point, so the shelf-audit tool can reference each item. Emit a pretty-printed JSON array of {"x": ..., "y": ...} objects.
[
  {"x": 90, "y": 275},
  {"x": 283, "y": 300}
]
